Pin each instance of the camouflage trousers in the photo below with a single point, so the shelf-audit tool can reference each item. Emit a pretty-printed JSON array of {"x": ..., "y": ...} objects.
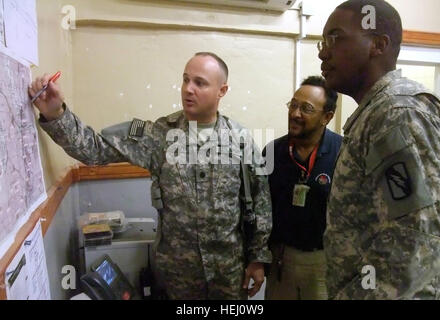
[{"x": 189, "y": 283}]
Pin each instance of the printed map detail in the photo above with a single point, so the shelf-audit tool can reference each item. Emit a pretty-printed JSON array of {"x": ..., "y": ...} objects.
[
  {"x": 2, "y": 25},
  {"x": 21, "y": 177}
]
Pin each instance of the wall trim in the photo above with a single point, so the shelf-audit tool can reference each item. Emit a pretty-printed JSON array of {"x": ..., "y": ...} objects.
[
  {"x": 47, "y": 210},
  {"x": 410, "y": 37},
  {"x": 421, "y": 38},
  {"x": 178, "y": 26},
  {"x": 111, "y": 171}
]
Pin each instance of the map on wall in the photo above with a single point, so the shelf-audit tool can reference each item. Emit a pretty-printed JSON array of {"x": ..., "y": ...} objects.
[
  {"x": 22, "y": 187},
  {"x": 2, "y": 25}
]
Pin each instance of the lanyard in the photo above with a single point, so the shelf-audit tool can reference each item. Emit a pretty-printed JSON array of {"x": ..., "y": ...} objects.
[{"x": 312, "y": 159}]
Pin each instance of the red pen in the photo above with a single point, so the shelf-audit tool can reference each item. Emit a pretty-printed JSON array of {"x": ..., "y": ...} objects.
[{"x": 52, "y": 79}]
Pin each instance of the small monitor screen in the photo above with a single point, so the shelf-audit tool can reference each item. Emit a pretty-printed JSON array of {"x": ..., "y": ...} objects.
[{"x": 107, "y": 272}]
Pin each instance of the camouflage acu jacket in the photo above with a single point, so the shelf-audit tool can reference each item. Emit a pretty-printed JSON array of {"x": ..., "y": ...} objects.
[
  {"x": 199, "y": 234},
  {"x": 383, "y": 220}
]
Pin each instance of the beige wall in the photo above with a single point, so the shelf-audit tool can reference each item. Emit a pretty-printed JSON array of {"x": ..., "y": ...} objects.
[
  {"x": 131, "y": 64},
  {"x": 419, "y": 15},
  {"x": 137, "y": 73},
  {"x": 311, "y": 65},
  {"x": 55, "y": 53},
  {"x": 261, "y": 81}
]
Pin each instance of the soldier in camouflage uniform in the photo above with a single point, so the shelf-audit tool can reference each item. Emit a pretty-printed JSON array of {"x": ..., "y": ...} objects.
[
  {"x": 383, "y": 234},
  {"x": 199, "y": 250}
]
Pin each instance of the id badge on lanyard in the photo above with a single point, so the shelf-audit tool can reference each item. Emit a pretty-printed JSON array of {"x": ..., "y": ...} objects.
[
  {"x": 301, "y": 189},
  {"x": 300, "y": 195}
]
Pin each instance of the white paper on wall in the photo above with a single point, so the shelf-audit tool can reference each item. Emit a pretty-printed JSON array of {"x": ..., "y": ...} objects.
[
  {"x": 26, "y": 276},
  {"x": 20, "y": 29}
]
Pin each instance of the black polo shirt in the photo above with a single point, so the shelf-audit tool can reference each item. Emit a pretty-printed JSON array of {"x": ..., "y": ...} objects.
[{"x": 301, "y": 227}]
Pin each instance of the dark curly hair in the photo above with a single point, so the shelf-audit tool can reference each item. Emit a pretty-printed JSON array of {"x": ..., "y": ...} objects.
[{"x": 331, "y": 95}]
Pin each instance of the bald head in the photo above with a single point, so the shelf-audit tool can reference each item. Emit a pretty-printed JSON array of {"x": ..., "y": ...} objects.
[
  {"x": 224, "y": 71},
  {"x": 204, "y": 84}
]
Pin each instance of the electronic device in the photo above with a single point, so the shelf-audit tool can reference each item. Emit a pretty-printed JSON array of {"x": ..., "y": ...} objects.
[{"x": 107, "y": 282}]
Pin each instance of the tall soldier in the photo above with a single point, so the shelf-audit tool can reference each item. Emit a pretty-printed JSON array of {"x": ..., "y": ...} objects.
[
  {"x": 383, "y": 234},
  {"x": 199, "y": 248}
]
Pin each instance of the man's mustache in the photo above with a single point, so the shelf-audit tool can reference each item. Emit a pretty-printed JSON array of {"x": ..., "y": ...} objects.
[{"x": 296, "y": 121}]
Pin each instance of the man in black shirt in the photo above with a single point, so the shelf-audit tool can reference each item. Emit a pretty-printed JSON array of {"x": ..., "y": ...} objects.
[{"x": 303, "y": 168}]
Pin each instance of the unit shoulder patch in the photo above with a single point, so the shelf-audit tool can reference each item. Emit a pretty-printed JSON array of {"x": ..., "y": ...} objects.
[{"x": 398, "y": 181}]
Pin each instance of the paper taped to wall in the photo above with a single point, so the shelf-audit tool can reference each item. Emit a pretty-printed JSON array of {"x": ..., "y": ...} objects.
[
  {"x": 2, "y": 26},
  {"x": 20, "y": 29},
  {"x": 26, "y": 276},
  {"x": 22, "y": 187}
]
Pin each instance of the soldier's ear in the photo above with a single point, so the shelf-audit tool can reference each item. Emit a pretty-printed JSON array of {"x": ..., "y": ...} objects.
[
  {"x": 381, "y": 43},
  {"x": 223, "y": 90}
]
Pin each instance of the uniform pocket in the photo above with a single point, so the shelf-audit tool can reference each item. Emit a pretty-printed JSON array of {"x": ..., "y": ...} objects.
[
  {"x": 170, "y": 182},
  {"x": 228, "y": 183}
]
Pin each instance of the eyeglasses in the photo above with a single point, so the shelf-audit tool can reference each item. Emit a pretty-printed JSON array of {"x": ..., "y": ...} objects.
[
  {"x": 304, "y": 108},
  {"x": 330, "y": 40}
]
